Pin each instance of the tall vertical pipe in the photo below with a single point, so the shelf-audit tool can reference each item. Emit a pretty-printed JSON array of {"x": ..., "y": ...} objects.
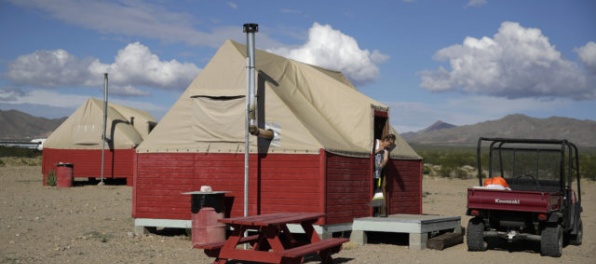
[
  {"x": 105, "y": 123},
  {"x": 250, "y": 30}
]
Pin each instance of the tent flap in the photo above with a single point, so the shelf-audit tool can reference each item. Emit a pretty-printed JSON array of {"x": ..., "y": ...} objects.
[{"x": 219, "y": 119}]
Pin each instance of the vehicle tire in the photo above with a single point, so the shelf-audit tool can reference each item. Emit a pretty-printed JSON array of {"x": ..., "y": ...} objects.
[
  {"x": 475, "y": 235},
  {"x": 576, "y": 239},
  {"x": 551, "y": 243}
]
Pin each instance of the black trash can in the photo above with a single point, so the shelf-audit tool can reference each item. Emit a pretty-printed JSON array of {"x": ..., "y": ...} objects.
[{"x": 200, "y": 200}]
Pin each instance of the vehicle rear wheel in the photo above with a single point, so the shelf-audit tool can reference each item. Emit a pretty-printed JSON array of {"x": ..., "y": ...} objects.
[
  {"x": 475, "y": 235},
  {"x": 551, "y": 243},
  {"x": 576, "y": 239}
]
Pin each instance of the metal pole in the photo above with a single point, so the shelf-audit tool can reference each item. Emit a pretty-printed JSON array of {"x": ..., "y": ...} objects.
[
  {"x": 105, "y": 124},
  {"x": 250, "y": 30}
]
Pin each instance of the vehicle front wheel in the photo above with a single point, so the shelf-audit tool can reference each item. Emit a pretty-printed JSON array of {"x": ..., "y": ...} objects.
[
  {"x": 475, "y": 235},
  {"x": 551, "y": 243},
  {"x": 576, "y": 239}
]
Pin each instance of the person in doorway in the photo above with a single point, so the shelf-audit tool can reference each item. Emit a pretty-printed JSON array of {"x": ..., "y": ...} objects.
[
  {"x": 385, "y": 145},
  {"x": 382, "y": 154}
]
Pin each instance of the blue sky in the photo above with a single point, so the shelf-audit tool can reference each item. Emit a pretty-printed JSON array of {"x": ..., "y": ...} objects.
[{"x": 459, "y": 61}]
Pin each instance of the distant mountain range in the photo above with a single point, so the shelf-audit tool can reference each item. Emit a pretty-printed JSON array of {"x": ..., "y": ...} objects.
[
  {"x": 580, "y": 132},
  {"x": 17, "y": 125}
]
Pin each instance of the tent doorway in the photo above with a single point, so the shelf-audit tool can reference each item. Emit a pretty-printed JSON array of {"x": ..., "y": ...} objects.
[{"x": 381, "y": 128}]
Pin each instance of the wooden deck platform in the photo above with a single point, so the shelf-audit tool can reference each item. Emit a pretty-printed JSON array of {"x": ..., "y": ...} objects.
[{"x": 417, "y": 226}]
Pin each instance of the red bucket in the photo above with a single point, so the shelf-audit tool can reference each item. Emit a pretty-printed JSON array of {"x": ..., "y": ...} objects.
[
  {"x": 64, "y": 174},
  {"x": 205, "y": 227}
]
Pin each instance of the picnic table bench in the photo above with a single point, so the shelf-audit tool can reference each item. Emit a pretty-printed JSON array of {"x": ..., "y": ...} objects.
[{"x": 273, "y": 242}]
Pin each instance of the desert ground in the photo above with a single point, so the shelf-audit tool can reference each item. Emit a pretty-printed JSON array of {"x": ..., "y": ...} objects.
[{"x": 93, "y": 224}]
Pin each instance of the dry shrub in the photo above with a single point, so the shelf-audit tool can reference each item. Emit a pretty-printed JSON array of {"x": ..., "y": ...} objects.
[{"x": 20, "y": 161}]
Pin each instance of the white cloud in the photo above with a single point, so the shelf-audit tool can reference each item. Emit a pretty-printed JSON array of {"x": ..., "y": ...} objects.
[
  {"x": 49, "y": 98},
  {"x": 516, "y": 63},
  {"x": 134, "y": 66},
  {"x": 232, "y": 5},
  {"x": 475, "y": 3},
  {"x": 587, "y": 55},
  {"x": 130, "y": 18},
  {"x": 54, "y": 104},
  {"x": 49, "y": 68},
  {"x": 332, "y": 49},
  {"x": 9, "y": 94}
]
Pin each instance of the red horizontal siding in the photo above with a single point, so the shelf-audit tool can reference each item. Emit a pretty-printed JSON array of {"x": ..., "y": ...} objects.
[
  {"x": 348, "y": 187},
  {"x": 404, "y": 187},
  {"x": 340, "y": 187},
  {"x": 280, "y": 182},
  {"x": 87, "y": 162}
]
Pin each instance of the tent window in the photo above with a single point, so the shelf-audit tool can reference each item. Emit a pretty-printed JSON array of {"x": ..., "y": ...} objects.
[{"x": 218, "y": 119}]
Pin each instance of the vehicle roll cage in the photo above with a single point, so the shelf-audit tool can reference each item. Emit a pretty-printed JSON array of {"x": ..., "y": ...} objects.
[{"x": 566, "y": 149}]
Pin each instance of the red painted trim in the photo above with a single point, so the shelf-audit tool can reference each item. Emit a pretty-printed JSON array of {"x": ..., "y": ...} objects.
[
  {"x": 379, "y": 113},
  {"x": 420, "y": 189},
  {"x": 135, "y": 162},
  {"x": 371, "y": 193},
  {"x": 322, "y": 182}
]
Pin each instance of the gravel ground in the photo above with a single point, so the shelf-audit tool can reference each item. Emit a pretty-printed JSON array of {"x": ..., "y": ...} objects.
[{"x": 93, "y": 224}]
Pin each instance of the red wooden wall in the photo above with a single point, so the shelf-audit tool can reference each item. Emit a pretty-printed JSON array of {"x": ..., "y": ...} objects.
[
  {"x": 87, "y": 162},
  {"x": 404, "y": 187},
  {"x": 340, "y": 187},
  {"x": 277, "y": 182},
  {"x": 349, "y": 188}
]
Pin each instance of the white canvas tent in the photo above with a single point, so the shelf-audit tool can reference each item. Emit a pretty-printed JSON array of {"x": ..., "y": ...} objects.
[
  {"x": 308, "y": 107},
  {"x": 82, "y": 130}
]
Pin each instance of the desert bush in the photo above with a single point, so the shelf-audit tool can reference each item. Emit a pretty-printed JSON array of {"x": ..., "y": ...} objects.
[
  {"x": 51, "y": 180},
  {"x": 587, "y": 166},
  {"x": 450, "y": 159},
  {"x": 20, "y": 161},
  {"x": 19, "y": 152},
  {"x": 426, "y": 169},
  {"x": 13, "y": 156}
]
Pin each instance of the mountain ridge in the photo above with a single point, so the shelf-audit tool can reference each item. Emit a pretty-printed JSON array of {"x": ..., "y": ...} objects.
[
  {"x": 17, "y": 125},
  {"x": 580, "y": 132}
]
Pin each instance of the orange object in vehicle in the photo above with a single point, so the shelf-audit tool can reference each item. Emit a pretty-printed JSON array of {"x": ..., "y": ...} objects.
[{"x": 496, "y": 180}]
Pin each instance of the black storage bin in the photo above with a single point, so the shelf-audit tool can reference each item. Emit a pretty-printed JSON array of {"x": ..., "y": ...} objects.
[{"x": 215, "y": 200}]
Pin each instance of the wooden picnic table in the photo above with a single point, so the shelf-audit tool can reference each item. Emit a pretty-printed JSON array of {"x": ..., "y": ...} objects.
[{"x": 273, "y": 242}]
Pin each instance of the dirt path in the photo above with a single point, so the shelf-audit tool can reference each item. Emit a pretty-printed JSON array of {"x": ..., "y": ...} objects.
[{"x": 92, "y": 224}]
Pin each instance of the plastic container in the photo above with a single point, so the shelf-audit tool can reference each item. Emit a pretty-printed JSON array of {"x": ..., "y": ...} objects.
[
  {"x": 206, "y": 208},
  {"x": 64, "y": 175},
  {"x": 205, "y": 227}
]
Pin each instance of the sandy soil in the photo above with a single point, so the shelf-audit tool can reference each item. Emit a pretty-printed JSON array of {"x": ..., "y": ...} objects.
[{"x": 92, "y": 224}]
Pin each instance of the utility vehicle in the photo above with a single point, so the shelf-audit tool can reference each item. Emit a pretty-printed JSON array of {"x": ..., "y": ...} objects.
[{"x": 542, "y": 201}]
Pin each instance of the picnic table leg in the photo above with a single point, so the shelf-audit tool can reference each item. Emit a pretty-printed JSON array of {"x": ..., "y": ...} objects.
[
  {"x": 325, "y": 256},
  {"x": 309, "y": 230},
  {"x": 232, "y": 242},
  {"x": 261, "y": 243},
  {"x": 273, "y": 239},
  {"x": 291, "y": 242}
]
